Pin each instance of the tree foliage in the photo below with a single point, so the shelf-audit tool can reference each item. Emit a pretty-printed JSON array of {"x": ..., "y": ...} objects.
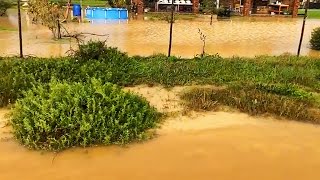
[
  {"x": 46, "y": 13},
  {"x": 118, "y": 3},
  {"x": 4, "y": 5}
]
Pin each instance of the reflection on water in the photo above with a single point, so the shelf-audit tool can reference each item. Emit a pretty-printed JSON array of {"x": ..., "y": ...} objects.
[
  {"x": 107, "y": 21},
  {"x": 239, "y": 36}
]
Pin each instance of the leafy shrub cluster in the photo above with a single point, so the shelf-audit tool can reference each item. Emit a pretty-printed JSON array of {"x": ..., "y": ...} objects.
[
  {"x": 253, "y": 101},
  {"x": 4, "y": 5},
  {"x": 315, "y": 39},
  {"x": 64, "y": 115},
  {"x": 96, "y": 50}
]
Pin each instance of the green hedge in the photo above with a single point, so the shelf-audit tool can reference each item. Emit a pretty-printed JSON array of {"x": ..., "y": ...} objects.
[
  {"x": 80, "y": 114},
  {"x": 112, "y": 66}
]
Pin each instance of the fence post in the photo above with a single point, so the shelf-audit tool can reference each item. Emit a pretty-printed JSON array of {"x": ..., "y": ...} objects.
[
  {"x": 20, "y": 30},
  {"x": 303, "y": 25},
  {"x": 171, "y": 26}
]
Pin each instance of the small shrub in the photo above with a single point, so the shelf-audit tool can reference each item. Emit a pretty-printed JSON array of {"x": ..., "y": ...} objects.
[
  {"x": 80, "y": 114},
  {"x": 315, "y": 39},
  {"x": 96, "y": 50}
]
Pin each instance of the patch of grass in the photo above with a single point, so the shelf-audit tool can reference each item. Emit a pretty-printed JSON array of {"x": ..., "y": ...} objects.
[
  {"x": 95, "y": 60},
  {"x": 2, "y": 28},
  {"x": 312, "y": 13},
  {"x": 288, "y": 90},
  {"x": 63, "y": 115},
  {"x": 219, "y": 71},
  {"x": 252, "y": 101}
]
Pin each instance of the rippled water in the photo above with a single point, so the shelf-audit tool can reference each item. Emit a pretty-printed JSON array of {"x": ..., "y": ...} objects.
[
  {"x": 219, "y": 146},
  {"x": 239, "y": 36},
  {"x": 200, "y": 145}
]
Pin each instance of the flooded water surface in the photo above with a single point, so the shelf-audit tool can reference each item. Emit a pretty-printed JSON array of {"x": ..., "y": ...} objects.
[
  {"x": 242, "y": 151},
  {"x": 238, "y": 36},
  {"x": 206, "y": 146}
]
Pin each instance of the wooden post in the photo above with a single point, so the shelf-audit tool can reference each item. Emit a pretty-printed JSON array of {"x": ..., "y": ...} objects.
[
  {"x": 20, "y": 30},
  {"x": 303, "y": 25},
  {"x": 171, "y": 26}
]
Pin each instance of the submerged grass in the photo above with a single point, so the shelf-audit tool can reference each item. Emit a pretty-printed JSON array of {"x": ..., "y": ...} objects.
[
  {"x": 254, "y": 101},
  {"x": 3, "y": 28}
]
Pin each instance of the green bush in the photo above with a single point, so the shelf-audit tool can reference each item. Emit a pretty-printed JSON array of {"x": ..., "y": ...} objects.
[
  {"x": 64, "y": 115},
  {"x": 4, "y": 5},
  {"x": 17, "y": 76},
  {"x": 96, "y": 50},
  {"x": 315, "y": 39},
  {"x": 207, "y": 6}
]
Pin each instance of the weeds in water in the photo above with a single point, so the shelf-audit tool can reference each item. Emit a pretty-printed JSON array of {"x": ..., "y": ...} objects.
[
  {"x": 253, "y": 101},
  {"x": 203, "y": 39}
]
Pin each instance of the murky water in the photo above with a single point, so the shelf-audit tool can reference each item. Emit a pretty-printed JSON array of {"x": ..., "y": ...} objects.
[
  {"x": 206, "y": 146},
  {"x": 239, "y": 36},
  {"x": 218, "y": 148}
]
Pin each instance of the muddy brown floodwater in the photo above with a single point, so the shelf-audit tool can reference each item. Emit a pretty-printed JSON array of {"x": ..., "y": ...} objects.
[
  {"x": 206, "y": 146},
  {"x": 239, "y": 36}
]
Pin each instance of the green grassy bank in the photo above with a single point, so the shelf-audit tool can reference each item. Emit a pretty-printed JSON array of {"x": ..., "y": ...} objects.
[{"x": 284, "y": 86}]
